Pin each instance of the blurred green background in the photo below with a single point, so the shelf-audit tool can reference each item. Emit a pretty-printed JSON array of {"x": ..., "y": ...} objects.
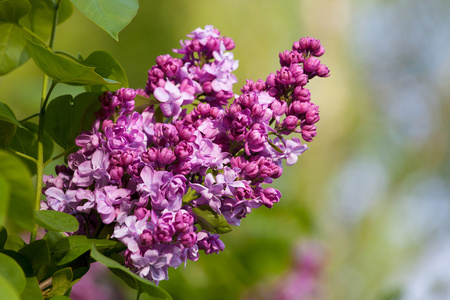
[{"x": 370, "y": 199}]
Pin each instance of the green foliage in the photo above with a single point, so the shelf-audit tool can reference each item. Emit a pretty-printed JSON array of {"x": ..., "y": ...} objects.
[
  {"x": 38, "y": 254},
  {"x": 12, "y": 47},
  {"x": 210, "y": 220},
  {"x": 21, "y": 194},
  {"x": 62, "y": 281},
  {"x": 26, "y": 147},
  {"x": 56, "y": 221},
  {"x": 32, "y": 290},
  {"x": 25, "y": 141},
  {"x": 108, "y": 67},
  {"x": 62, "y": 69},
  {"x": 40, "y": 17},
  {"x": 11, "y": 271},
  {"x": 132, "y": 280},
  {"x": 68, "y": 117},
  {"x": 13, "y": 10},
  {"x": 111, "y": 15},
  {"x": 70, "y": 248}
]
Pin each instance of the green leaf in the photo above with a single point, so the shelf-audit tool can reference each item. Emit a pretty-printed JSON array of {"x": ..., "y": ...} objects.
[
  {"x": 63, "y": 69},
  {"x": 56, "y": 221},
  {"x": 25, "y": 141},
  {"x": 74, "y": 246},
  {"x": 40, "y": 17},
  {"x": 38, "y": 254},
  {"x": 14, "y": 242},
  {"x": 110, "y": 15},
  {"x": 209, "y": 220},
  {"x": 67, "y": 117},
  {"x": 4, "y": 204},
  {"x": 12, "y": 47},
  {"x": 132, "y": 280},
  {"x": 7, "y": 115},
  {"x": 61, "y": 282},
  {"x": 32, "y": 290},
  {"x": 12, "y": 272},
  {"x": 3, "y": 236},
  {"x": 7, "y": 291},
  {"x": 12, "y": 10},
  {"x": 21, "y": 195},
  {"x": 7, "y": 132},
  {"x": 108, "y": 67}
]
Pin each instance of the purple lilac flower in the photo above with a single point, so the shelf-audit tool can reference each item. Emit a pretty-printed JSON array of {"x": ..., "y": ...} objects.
[{"x": 147, "y": 170}]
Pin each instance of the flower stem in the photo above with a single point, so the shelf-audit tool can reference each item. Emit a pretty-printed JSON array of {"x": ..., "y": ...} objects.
[{"x": 45, "y": 96}]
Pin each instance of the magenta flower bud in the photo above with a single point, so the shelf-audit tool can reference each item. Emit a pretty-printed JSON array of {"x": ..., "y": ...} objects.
[
  {"x": 255, "y": 139},
  {"x": 298, "y": 108},
  {"x": 212, "y": 44},
  {"x": 322, "y": 71},
  {"x": 166, "y": 156},
  {"x": 270, "y": 81},
  {"x": 183, "y": 150},
  {"x": 252, "y": 169},
  {"x": 141, "y": 213},
  {"x": 308, "y": 132},
  {"x": 285, "y": 76},
  {"x": 186, "y": 132},
  {"x": 163, "y": 232},
  {"x": 183, "y": 221},
  {"x": 228, "y": 43},
  {"x": 238, "y": 162},
  {"x": 312, "y": 116},
  {"x": 146, "y": 237},
  {"x": 150, "y": 155},
  {"x": 311, "y": 64},
  {"x": 206, "y": 87},
  {"x": 290, "y": 123},
  {"x": 233, "y": 109},
  {"x": 302, "y": 94},
  {"x": 116, "y": 173},
  {"x": 278, "y": 108},
  {"x": 203, "y": 109},
  {"x": 169, "y": 132},
  {"x": 189, "y": 239},
  {"x": 248, "y": 99},
  {"x": 214, "y": 112},
  {"x": 270, "y": 196}
]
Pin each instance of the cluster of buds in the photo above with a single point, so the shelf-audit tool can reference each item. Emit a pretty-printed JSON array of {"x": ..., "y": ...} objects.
[{"x": 171, "y": 176}]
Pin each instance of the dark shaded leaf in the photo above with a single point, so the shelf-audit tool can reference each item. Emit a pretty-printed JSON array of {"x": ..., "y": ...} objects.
[
  {"x": 14, "y": 242},
  {"x": 25, "y": 141},
  {"x": 12, "y": 10},
  {"x": 132, "y": 280},
  {"x": 18, "y": 177},
  {"x": 3, "y": 236},
  {"x": 110, "y": 15},
  {"x": 210, "y": 221},
  {"x": 23, "y": 262},
  {"x": 38, "y": 254},
  {"x": 67, "y": 117},
  {"x": 56, "y": 221}
]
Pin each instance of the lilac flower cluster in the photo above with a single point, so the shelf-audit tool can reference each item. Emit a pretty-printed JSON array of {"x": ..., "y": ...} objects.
[{"x": 152, "y": 173}]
